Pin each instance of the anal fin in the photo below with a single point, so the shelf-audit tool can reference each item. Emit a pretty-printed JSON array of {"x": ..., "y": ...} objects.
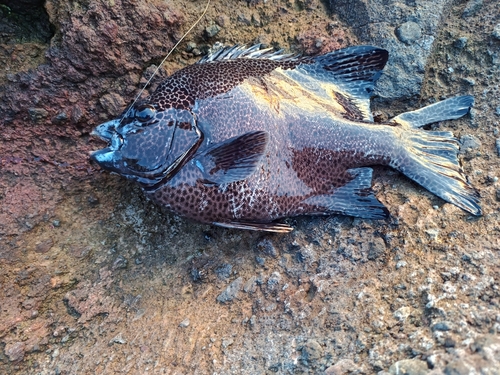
[
  {"x": 263, "y": 227},
  {"x": 355, "y": 198}
]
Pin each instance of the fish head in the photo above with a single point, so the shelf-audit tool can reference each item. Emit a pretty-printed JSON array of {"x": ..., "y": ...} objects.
[{"x": 146, "y": 144}]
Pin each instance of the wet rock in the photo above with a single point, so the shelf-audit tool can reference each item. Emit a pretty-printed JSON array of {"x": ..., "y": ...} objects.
[
  {"x": 409, "y": 32},
  {"x": 311, "y": 352},
  {"x": 409, "y": 367},
  {"x": 231, "y": 292},
  {"x": 472, "y": 7}
]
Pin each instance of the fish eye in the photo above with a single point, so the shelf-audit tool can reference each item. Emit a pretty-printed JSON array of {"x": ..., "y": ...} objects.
[{"x": 145, "y": 113}]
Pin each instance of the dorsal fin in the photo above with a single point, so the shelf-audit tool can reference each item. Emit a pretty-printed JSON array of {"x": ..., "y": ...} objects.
[
  {"x": 243, "y": 52},
  {"x": 351, "y": 72}
]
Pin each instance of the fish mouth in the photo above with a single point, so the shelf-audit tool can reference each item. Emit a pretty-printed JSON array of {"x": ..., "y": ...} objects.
[{"x": 105, "y": 130}]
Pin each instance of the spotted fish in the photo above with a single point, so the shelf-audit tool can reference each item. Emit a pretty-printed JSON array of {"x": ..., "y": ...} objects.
[{"x": 248, "y": 136}]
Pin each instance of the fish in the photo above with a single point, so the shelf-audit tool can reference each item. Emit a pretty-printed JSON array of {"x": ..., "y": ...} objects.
[{"x": 247, "y": 137}]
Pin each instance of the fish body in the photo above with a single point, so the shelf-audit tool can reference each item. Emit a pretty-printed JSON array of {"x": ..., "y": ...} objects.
[{"x": 248, "y": 136}]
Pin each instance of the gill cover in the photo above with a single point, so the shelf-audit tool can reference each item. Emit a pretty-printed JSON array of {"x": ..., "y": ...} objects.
[{"x": 147, "y": 145}]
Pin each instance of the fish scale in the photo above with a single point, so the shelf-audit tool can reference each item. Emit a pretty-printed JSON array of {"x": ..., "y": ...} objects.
[{"x": 246, "y": 137}]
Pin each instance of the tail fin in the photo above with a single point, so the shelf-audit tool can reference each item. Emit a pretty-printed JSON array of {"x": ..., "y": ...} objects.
[
  {"x": 431, "y": 157},
  {"x": 448, "y": 109}
]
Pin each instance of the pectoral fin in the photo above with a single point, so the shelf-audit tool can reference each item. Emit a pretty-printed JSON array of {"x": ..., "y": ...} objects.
[
  {"x": 356, "y": 198},
  {"x": 234, "y": 159}
]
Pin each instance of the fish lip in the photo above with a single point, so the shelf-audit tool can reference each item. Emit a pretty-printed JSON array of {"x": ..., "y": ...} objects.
[{"x": 105, "y": 130}]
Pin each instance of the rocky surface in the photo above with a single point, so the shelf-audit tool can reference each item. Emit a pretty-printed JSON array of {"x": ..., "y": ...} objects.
[{"x": 95, "y": 279}]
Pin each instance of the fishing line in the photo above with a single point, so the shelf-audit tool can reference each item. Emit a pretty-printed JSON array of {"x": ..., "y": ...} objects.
[{"x": 163, "y": 61}]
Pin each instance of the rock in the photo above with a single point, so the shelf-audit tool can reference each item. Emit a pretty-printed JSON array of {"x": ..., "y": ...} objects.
[
  {"x": 231, "y": 292},
  {"x": 112, "y": 103},
  {"x": 402, "y": 313},
  {"x": 212, "y": 30},
  {"x": 184, "y": 323},
  {"x": 120, "y": 263},
  {"x": 497, "y": 145},
  {"x": 496, "y": 32},
  {"x": 224, "y": 271},
  {"x": 311, "y": 352},
  {"x": 266, "y": 246},
  {"x": 409, "y": 367},
  {"x": 409, "y": 32},
  {"x": 376, "y": 248},
  {"x": 37, "y": 114},
  {"x": 273, "y": 281},
  {"x": 342, "y": 367},
  {"x": 227, "y": 342},
  {"x": 460, "y": 43},
  {"x": 15, "y": 352},
  {"x": 468, "y": 143},
  {"x": 457, "y": 367},
  {"x": 44, "y": 246},
  {"x": 118, "y": 339},
  {"x": 441, "y": 326},
  {"x": 472, "y": 7},
  {"x": 60, "y": 118},
  {"x": 251, "y": 285}
]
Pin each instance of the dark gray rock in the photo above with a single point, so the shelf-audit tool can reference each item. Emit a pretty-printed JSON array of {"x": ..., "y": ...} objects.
[
  {"x": 224, "y": 271},
  {"x": 497, "y": 144},
  {"x": 266, "y": 246},
  {"x": 231, "y": 292},
  {"x": 409, "y": 367},
  {"x": 460, "y": 43},
  {"x": 409, "y": 32},
  {"x": 212, "y": 30},
  {"x": 311, "y": 352},
  {"x": 472, "y": 7},
  {"x": 496, "y": 32},
  {"x": 441, "y": 326},
  {"x": 406, "y": 29},
  {"x": 468, "y": 143}
]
